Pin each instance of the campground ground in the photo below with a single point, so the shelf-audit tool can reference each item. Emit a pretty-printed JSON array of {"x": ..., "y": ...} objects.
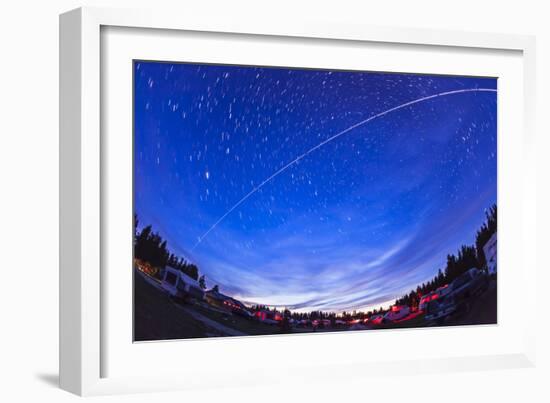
[{"x": 158, "y": 317}]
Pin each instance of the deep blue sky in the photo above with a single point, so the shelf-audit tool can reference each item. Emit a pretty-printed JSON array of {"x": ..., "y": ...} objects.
[{"x": 354, "y": 224}]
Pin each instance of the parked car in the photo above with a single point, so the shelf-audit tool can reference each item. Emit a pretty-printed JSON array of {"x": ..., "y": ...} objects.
[
  {"x": 439, "y": 293},
  {"x": 440, "y": 309},
  {"x": 397, "y": 312},
  {"x": 245, "y": 313},
  {"x": 376, "y": 319},
  {"x": 425, "y": 300},
  {"x": 469, "y": 283},
  {"x": 269, "y": 317},
  {"x": 443, "y": 290}
]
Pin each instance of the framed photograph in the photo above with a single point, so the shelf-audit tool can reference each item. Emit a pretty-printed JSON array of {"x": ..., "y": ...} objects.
[
  {"x": 258, "y": 212},
  {"x": 274, "y": 199}
]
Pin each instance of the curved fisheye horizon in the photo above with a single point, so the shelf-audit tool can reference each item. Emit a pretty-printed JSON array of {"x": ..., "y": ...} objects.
[{"x": 367, "y": 217}]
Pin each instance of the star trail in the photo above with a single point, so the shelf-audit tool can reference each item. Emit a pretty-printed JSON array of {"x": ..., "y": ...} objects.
[{"x": 312, "y": 189}]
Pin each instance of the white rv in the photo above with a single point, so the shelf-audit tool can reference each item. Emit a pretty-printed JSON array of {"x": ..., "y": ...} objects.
[
  {"x": 179, "y": 285},
  {"x": 490, "y": 251}
]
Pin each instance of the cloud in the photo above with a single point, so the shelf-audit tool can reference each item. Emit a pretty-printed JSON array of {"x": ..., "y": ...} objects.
[{"x": 340, "y": 276}]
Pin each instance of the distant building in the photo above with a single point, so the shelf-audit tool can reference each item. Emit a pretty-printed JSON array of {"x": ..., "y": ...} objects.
[{"x": 490, "y": 251}]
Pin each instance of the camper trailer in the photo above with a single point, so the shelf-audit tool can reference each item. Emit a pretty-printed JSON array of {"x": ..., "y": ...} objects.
[
  {"x": 490, "y": 251},
  {"x": 179, "y": 285}
]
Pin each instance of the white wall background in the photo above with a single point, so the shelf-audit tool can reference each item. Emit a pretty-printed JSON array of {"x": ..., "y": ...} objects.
[{"x": 29, "y": 197}]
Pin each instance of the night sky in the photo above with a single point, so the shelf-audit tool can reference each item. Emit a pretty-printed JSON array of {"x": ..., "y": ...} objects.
[{"x": 354, "y": 223}]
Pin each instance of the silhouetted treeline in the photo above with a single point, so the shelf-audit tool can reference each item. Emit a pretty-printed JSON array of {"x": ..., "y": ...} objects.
[
  {"x": 295, "y": 315},
  {"x": 466, "y": 258},
  {"x": 150, "y": 247}
]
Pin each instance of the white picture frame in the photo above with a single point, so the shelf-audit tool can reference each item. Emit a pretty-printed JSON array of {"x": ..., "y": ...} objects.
[{"x": 83, "y": 185}]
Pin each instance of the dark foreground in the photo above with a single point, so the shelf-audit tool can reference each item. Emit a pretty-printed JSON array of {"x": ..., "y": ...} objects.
[{"x": 157, "y": 317}]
